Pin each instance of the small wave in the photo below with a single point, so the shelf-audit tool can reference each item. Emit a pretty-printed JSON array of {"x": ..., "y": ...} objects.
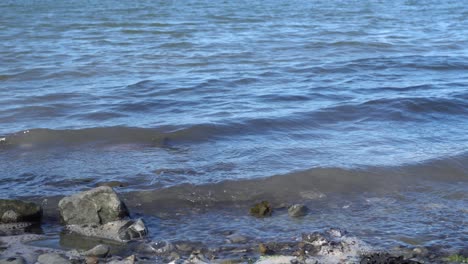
[{"x": 312, "y": 184}]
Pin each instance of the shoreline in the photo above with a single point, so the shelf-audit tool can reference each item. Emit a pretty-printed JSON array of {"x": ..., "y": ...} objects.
[{"x": 329, "y": 245}]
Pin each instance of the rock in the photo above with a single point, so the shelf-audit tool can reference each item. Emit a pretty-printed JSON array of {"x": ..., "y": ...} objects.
[
  {"x": 261, "y": 209},
  {"x": 128, "y": 260},
  {"x": 184, "y": 247},
  {"x": 13, "y": 229},
  {"x": 13, "y": 260},
  {"x": 52, "y": 258},
  {"x": 264, "y": 250},
  {"x": 12, "y": 211},
  {"x": 276, "y": 260},
  {"x": 420, "y": 251},
  {"x": 120, "y": 231},
  {"x": 297, "y": 210},
  {"x": 385, "y": 258},
  {"x": 158, "y": 247},
  {"x": 236, "y": 239},
  {"x": 100, "y": 251},
  {"x": 91, "y": 260},
  {"x": 97, "y": 206}
]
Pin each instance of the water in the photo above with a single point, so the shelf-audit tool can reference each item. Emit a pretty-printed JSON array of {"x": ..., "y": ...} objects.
[{"x": 223, "y": 96}]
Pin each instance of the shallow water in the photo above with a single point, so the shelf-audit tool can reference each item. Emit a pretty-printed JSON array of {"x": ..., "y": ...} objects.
[{"x": 373, "y": 97}]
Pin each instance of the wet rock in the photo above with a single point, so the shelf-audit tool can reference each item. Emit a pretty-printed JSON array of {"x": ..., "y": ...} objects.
[
  {"x": 13, "y": 260},
  {"x": 297, "y": 210},
  {"x": 276, "y": 260},
  {"x": 97, "y": 206},
  {"x": 120, "y": 231},
  {"x": 12, "y": 229},
  {"x": 236, "y": 239},
  {"x": 52, "y": 258},
  {"x": 315, "y": 239},
  {"x": 128, "y": 260},
  {"x": 185, "y": 247},
  {"x": 385, "y": 258},
  {"x": 420, "y": 251},
  {"x": 264, "y": 249},
  {"x": 261, "y": 209},
  {"x": 159, "y": 248},
  {"x": 100, "y": 251},
  {"x": 12, "y": 211},
  {"x": 197, "y": 259},
  {"x": 91, "y": 260}
]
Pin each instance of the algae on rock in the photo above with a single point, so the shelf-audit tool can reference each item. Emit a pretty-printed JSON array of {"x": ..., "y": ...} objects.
[{"x": 261, "y": 209}]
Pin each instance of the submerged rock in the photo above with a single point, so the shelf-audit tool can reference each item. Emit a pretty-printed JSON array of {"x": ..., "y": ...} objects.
[
  {"x": 261, "y": 209},
  {"x": 120, "y": 231},
  {"x": 100, "y": 205},
  {"x": 100, "y": 251},
  {"x": 297, "y": 210},
  {"x": 12, "y": 211}
]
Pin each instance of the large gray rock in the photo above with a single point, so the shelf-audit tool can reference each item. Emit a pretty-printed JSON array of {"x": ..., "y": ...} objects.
[
  {"x": 12, "y": 211},
  {"x": 97, "y": 206},
  {"x": 120, "y": 231}
]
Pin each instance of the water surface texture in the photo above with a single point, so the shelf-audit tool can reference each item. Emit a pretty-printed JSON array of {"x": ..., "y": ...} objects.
[{"x": 159, "y": 94}]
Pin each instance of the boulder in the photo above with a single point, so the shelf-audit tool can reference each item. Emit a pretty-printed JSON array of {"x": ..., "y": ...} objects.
[
  {"x": 100, "y": 205},
  {"x": 119, "y": 231},
  {"x": 13, "y": 211}
]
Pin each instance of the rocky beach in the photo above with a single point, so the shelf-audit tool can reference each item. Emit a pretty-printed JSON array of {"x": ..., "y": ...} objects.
[{"x": 96, "y": 226}]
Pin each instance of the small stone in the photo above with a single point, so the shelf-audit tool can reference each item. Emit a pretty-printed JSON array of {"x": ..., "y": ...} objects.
[
  {"x": 13, "y": 260},
  {"x": 264, "y": 250},
  {"x": 184, "y": 247},
  {"x": 420, "y": 251},
  {"x": 92, "y": 260},
  {"x": 261, "y": 209},
  {"x": 100, "y": 251},
  {"x": 276, "y": 260},
  {"x": 236, "y": 239},
  {"x": 52, "y": 258},
  {"x": 297, "y": 210},
  {"x": 128, "y": 260},
  {"x": 174, "y": 256}
]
